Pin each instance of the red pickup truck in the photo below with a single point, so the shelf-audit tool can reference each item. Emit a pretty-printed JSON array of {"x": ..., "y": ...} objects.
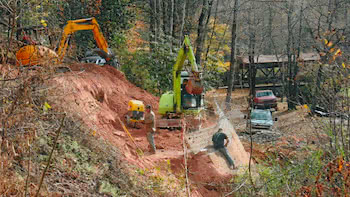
[{"x": 265, "y": 99}]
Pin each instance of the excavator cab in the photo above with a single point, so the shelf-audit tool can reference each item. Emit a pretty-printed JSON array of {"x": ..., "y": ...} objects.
[{"x": 188, "y": 98}]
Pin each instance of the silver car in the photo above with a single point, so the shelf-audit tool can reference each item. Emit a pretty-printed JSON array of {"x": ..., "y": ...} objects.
[
  {"x": 94, "y": 59},
  {"x": 260, "y": 119}
]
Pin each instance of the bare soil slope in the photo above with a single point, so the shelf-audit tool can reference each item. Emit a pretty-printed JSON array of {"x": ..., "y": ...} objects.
[{"x": 98, "y": 95}]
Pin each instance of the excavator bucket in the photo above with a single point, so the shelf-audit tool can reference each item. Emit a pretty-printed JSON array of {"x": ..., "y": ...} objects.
[{"x": 194, "y": 87}]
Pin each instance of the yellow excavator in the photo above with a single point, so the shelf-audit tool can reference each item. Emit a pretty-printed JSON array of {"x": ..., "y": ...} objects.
[{"x": 33, "y": 54}]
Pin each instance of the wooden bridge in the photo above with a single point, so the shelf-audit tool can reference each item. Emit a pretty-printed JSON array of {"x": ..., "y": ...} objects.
[{"x": 270, "y": 70}]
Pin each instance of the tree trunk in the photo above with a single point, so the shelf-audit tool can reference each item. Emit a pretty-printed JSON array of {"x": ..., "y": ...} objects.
[
  {"x": 223, "y": 38},
  {"x": 210, "y": 5},
  {"x": 290, "y": 101},
  {"x": 252, "y": 66},
  {"x": 233, "y": 58},
  {"x": 171, "y": 24},
  {"x": 18, "y": 21},
  {"x": 269, "y": 49},
  {"x": 12, "y": 26},
  {"x": 296, "y": 68},
  {"x": 165, "y": 17},
  {"x": 157, "y": 26},
  {"x": 176, "y": 19},
  {"x": 330, "y": 15},
  {"x": 159, "y": 17},
  {"x": 182, "y": 21},
  {"x": 171, "y": 17},
  {"x": 213, "y": 30},
  {"x": 346, "y": 17},
  {"x": 201, "y": 32},
  {"x": 152, "y": 23}
]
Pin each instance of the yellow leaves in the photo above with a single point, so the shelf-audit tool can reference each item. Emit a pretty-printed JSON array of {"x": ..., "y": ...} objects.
[
  {"x": 325, "y": 41},
  {"x": 307, "y": 108},
  {"x": 141, "y": 172},
  {"x": 46, "y": 107},
  {"x": 330, "y": 44},
  {"x": 338, "y": 52},
  {"x": 223, "y": 64},
  {"x": 340, "y": 164},
  {"x": 343, "y": 64},
  {"x": 93, "y": 132},
  {"x": 157, "y": 168},
  {"x": 43, "y": 22}
]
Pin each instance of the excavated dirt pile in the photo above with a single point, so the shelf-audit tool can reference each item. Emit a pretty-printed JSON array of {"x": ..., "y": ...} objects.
[{"x": 99, "y": 95}]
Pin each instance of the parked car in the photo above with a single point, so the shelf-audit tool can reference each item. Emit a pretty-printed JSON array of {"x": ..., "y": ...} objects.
[
  {"x": 94, "y": 59},
  {"x": 265, "y": 99},
  {"x": 324, "y": 112},
  {"x": 260, "y": 119}
]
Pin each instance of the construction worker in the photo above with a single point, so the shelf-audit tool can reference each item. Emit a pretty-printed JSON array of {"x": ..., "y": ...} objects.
[
  {"x": 150, "y": 126},
  {"x": 219, "y": 144}
]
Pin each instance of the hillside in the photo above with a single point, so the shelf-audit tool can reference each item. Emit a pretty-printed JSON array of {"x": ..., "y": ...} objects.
[
  {"x": 99, "y": 94},
  {"x": 94, "y": 150}
]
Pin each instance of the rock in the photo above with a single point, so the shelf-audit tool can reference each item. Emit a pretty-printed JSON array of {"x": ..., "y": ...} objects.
[
  {"x": 119, "y": 133},
  {"x": 158, "y": 146}
]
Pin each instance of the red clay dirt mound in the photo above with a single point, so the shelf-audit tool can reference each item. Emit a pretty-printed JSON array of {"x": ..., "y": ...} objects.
[
  {"x": 204, "y": 176},
  {"x": 98, "y": 95}
]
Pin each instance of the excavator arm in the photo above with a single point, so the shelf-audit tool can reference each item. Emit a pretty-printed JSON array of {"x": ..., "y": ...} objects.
[
  {"x": 33, "y": 54},
  {"x": 193, "y": 86},
  {"x": 84, "y": 24},
  {"x": 186, "y": 98}
]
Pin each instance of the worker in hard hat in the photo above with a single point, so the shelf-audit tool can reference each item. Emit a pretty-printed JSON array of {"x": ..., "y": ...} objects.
[{"x": 150, "y": 126}]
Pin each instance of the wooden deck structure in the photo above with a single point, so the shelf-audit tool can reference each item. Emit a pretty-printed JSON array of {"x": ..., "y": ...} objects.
[
  {"x": 269, "y": 67},
  {"x": 269, "y": 70}
]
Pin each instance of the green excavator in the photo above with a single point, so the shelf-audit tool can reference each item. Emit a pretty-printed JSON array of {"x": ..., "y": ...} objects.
[{"x": 186, "y": 98}]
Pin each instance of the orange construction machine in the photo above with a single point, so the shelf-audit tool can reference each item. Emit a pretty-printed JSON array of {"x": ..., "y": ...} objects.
[{"x": 33, "y": 54}]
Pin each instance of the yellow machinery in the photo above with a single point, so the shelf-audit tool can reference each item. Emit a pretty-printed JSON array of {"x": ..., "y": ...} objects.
[
  {"x": 32, "y": 55},
  {"x": 136, "y": 110}
]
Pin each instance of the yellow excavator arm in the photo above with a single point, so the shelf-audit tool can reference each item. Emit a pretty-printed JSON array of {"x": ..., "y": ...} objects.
[
  {"x": 33, "y": 54},
  {"x": 83, "y": 24}
]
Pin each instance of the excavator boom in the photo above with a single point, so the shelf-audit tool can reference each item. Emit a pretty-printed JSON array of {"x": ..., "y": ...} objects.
[
  {"x": 186, "y": 97},
  {"x": 171, "y": 102},
  {"x": 32, "y": 54},
  {"x": 193, "y": 86},
  {"x": 83, "y": 24}
]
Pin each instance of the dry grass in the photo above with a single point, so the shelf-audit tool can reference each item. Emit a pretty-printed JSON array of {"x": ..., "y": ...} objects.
[{"x": 81, "y": 163}]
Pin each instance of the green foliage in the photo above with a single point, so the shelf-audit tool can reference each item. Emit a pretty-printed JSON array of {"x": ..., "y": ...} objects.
[
  {"x": 214, "y": 73},
  {"x": 151, "y": 70},
  {"x": 107, "y": 188},
  {"x": 285, "y": 177}
]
